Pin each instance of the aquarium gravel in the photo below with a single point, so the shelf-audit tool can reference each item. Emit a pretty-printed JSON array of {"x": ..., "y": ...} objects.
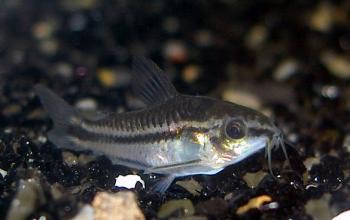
[{"x": 287, "y": 59}]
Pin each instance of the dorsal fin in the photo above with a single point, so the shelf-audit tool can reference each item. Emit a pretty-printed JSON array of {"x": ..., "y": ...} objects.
[{"x": 150, "y": 83}]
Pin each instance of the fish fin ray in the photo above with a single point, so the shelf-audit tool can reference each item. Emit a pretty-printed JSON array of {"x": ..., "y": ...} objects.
[
  {"x": 162, "y": 185},
  {"x": 150, "y": 83}
]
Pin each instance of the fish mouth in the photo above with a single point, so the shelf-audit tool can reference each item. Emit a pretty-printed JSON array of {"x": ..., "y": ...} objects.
[{"x": 276, "y": 142}]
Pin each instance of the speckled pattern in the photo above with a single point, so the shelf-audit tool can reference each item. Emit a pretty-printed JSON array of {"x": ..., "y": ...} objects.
[{"x": 290, "y": 59}]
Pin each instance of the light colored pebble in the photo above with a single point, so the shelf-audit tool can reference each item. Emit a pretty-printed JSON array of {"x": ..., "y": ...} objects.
[
  {"x": 86, "y": 104},
  {"x": 122, "y": 205},
  {"x": 254, "y": 203},
  {"x": 256, "y": 36},
  {"x": 128, "y": 181},
  {"x": 322, "y": 18},
  {"x": 29, "y": 195},
  {"x": 84, "y": 159},
  {"x": 3, "y": 173},
  {"x": 191, "y": 73},
  {"x": 11, "y": 109},
  {"x": 184, "y": 206},
  {"x": 319, "y": 208},
  {"x": 346, "y": 143},
  {"x": 343, "y": 216},
  {"x": 74, "y": 5},
  {"x": 69, "y": 158},
  {"x": 286, "y": 69},
  {"x": 337, "y": 64},
  {"x": 253, "y": 179},
  {"x": 114, "y": 77},
  {"x": 48, "y": 46},
  {"x": 330, "y": 91},
  {"x": 106, "y": 77},
  {"x": 242, "y": 97},
  {"x": 310, "y": 162},
  {"x": 204, "y": 38},
  {"x": 43, "y": 29},
  {"x": 191, "y": 186},
  {"x": 176, "y": 51},
  {"x": 85, "y": 213},
  {"x": 64, "y": 69}
]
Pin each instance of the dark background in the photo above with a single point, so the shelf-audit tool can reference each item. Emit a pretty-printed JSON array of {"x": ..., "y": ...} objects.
[{"x": 288, "y": 59}]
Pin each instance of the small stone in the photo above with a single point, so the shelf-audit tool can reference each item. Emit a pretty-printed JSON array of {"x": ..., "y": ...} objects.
[
  {"x": 311, "y": 161},
  {"x": 176, "y": 51},
  {"x": 330, "y": 91},
  {"x": 29, "y": 196},
  {"x": 338, "y": 65},
  {"x": 191, "y": 73},
  {"x": 346, "y": 143},
  {"x": 57, "y": 191},
  {"x": 11, "y": 109},
  {"x": 49, "y": 46},
  {"x": 342, "y": 216},
  {"x": 3, "y": 173},
  {"x": 86, "y": 104},
  {"x": 64, "y": 69},
  {"x": 42, "y": 139},
  {"x": 84, "y": 159},
  {"x": 253, "y": 203},
  {"x": 69, "y": 158},
  {"x": 322, "y": 18},
  {"x": 85, "y": 213},
  {"x": 74, "y": 5},
  {"x": 213, "y": 207},
  {"x": 256, "y": 36},
  {"x": 286, "y": 69},
  {"x": 122, "y": 205},
  {"x": 191, "y": 186},
  {"x": 204, "y": 38},
  {"x": 319, "y": 208},
  {"x": 43, "y": 30},
  {"x": 242, "y": 97},
  {"x": 107, "y": 77},
  {"x": 253, "y": 179},
  {"x": 128, "y": 181},
  {"x": 183, "y": 207},
  {"x": 228, "y": 196}
]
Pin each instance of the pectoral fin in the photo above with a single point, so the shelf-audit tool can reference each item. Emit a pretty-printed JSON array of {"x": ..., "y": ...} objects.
[{"x": 163, "y": 184}]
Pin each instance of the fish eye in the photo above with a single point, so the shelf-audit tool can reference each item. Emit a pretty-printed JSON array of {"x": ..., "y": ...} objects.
[{"x": 235, "y": 129}]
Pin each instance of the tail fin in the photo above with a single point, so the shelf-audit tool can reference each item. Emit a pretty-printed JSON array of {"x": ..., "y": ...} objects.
[{"x": 62, "y": 114}]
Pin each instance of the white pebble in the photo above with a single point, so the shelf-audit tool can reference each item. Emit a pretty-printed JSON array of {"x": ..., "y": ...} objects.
[
  {"x": 3, "y": 172},
  {"x": 128, "y": 181},
  {"x": 343, "y": 216},
  {"x": 86, "y": 104},
  {"x": 286, "y": 69}
]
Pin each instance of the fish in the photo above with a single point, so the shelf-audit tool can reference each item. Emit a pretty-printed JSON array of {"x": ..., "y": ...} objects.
[{"x": 174, "y": 135}]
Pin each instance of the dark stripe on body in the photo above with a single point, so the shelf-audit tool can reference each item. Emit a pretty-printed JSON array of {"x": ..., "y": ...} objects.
[
  {"x": 85, "y": 135},
  {"x": 146, "y": 126}
]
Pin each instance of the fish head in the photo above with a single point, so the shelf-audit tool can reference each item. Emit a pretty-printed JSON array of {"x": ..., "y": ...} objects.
[{"x": 241, "y": 133}]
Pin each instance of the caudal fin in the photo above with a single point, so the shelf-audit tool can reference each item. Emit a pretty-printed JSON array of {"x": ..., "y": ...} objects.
[{"x": 63, "y": 115}]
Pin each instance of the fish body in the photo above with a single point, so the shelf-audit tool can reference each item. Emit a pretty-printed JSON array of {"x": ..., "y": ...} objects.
[{"x": 175, "y": 135}]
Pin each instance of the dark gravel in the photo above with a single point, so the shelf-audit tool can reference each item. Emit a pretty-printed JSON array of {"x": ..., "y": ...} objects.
[{"x": 74, "y": 47}]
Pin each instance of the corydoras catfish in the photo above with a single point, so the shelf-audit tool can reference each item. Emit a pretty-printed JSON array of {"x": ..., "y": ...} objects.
[{"x": 175, "y": 135}]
